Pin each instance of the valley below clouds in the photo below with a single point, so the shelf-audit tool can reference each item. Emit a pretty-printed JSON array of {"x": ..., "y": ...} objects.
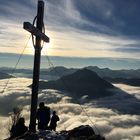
[{"x": 116, "y": 117}]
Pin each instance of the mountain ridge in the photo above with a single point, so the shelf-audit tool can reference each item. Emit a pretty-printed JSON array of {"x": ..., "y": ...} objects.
[
  {"x": 82, "y": 82},
  {"x": 61, "y": 71},
  {"x": 5, "y": 75}
]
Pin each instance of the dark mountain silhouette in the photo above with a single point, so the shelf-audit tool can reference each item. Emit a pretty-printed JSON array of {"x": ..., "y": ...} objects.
[
  {"x": 102, "y": 72},
  {"x": 9, "y": 70},
  {"x": 82, "y": 82},
  {"x": 47, "y": 74},
  {"x": 130, "y": 77},
  {"x": 5, "y": 75},
  {"x": 83, "y": 132},
  {"x": 131, "y": 81},
  {"x": 60, "y": 71},
  {"x": 106, "y": 72}
]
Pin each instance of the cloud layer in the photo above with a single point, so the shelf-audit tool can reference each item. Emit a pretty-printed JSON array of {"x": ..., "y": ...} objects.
[{"x": 112, "y": 124}]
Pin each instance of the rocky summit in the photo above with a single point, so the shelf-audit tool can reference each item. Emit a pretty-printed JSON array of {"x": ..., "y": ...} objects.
[{"x": 83, "y": 132}]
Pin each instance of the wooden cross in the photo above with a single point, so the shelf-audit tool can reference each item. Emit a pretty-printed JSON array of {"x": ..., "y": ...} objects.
[{"x": 36, "y": 31}]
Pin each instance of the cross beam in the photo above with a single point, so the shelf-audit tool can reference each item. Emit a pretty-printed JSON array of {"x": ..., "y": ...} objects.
[{"x": 37, "y": 31}]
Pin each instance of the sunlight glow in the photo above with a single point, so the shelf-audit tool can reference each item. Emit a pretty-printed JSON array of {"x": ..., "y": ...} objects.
[
  {"x": 47, "y": 48},
  {"x": 47, "y": 45}
]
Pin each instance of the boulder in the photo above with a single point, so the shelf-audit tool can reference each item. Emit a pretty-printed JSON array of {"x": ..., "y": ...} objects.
[{"x": 83, "y": 132}]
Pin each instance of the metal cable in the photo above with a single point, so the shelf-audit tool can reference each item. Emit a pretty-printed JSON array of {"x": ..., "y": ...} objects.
[
  {"x": 43, "y": 28},
  {"x": 13, "y": 71},
  {"x": 33, "y": 41},
  {"x": 51, "y": 64},
  {"x": 52, "y": 78},
  {"x": 83, "y": 110}
]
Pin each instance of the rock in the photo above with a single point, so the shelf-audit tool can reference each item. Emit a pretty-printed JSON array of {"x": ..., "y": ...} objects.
[
  {"x": 28, "y": 136},
  {"x": 83, "y": 132}
]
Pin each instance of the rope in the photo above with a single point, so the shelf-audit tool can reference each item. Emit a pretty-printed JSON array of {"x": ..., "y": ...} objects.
[
  {"x": 51, "y": 64},
  {"x": 43, "y": 28},
  {"x": 83, "y": 110},
  {"x": 89, "y": 118},
  {"x": 33, "y": 41},
  {"x": 13, "y": 71},
  {"x": 51, "y": 78}
]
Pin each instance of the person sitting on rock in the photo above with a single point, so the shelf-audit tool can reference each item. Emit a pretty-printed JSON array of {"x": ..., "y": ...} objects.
[
  {"x": 19, "y": 129},
  {"x": 43, "y": 116},
  {"x": 54, "y": 120}
]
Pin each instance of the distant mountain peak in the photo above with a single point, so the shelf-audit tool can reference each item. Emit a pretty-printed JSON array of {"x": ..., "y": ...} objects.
[
  {"x": 80, "y": 83},
  {"x": 84, "y": 72},
  {"x": 5, "y": 75}
]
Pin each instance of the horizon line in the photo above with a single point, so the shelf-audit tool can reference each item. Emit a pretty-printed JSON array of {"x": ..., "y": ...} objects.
[{"x": 82, "y": 57}]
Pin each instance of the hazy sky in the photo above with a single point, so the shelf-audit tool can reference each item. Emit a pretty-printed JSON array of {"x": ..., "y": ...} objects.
[{"x": 87, "y": 28}]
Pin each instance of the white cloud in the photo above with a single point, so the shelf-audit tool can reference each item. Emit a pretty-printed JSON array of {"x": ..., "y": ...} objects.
[
  {"x": 112, "y": 124},
  {"x": 124, "y": 133}
]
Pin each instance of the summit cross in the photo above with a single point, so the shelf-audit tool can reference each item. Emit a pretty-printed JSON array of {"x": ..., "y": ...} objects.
[{"x": 37, "y": 32}]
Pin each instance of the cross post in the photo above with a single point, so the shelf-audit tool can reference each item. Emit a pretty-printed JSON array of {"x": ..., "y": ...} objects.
[{"x": 36, "y": 31}]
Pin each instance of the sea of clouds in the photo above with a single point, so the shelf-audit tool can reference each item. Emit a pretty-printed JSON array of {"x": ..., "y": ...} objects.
[{"x": 116, "y": 117}]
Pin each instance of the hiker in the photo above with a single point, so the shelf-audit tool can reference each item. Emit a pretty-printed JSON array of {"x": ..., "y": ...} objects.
[
  {"x": 43, "y": 116},
  {"x": 54, "y": 120},
  {"x": 19, "y": 129}
]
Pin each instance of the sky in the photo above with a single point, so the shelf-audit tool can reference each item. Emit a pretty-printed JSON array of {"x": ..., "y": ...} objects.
[{"x": 80, "y": 28}]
